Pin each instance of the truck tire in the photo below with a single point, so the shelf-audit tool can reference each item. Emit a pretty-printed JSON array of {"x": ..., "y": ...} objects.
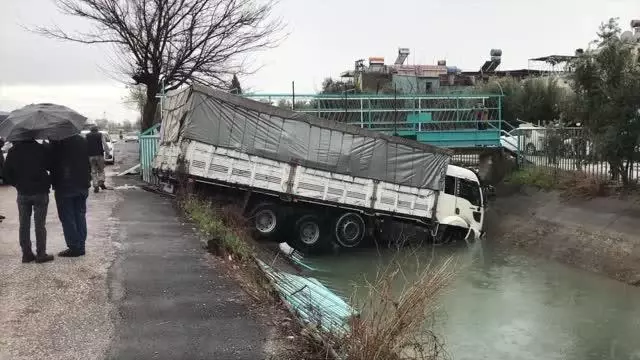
[
  {"x": 449, "y": 234},
  {"x": 310, "y": 234},
  {"x": 266, "y": 221},
  {"x": 349, "y": 229}
]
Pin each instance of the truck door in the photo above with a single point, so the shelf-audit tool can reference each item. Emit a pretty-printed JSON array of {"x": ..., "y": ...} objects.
[
  {"x": 469, "y": 203},
  {"x": 447, "y": 199}
]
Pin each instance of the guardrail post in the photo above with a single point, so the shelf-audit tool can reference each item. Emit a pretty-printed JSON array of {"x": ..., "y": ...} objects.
[{"x": 361, "y": 113}]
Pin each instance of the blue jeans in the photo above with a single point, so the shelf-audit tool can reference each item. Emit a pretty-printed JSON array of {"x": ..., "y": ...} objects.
[{"x": 72, "y": 210}]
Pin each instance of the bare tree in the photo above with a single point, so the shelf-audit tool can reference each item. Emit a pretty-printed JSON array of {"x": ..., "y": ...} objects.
[
  {"x": 136, "y": 98},
  {"x": 169, "y": 43}
]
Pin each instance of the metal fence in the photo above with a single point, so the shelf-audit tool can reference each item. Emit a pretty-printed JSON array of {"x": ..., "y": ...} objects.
[
  {"x": 566, "y": 149},
  {"x": 394, "y": 112},
  {"x": 148, "y": 141}
]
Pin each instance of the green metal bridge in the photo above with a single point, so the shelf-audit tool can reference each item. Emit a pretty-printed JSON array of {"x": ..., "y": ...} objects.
[{"x": 453, "y": 121}]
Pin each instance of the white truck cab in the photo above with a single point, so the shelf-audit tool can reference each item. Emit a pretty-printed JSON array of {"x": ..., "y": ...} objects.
[{"x": 460, "y": 208}]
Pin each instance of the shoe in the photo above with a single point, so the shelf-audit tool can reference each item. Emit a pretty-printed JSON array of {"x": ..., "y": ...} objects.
[
  {"x": 44, "y": 258},
  {"x": 103, "y": 186},
  {"x": 27, "y": 258},
  {"x": 96, "y": 189},
  {"x": 71, "y": 253}
]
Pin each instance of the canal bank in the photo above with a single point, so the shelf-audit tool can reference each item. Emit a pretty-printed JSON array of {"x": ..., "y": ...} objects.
[{"x": 599, "y": 235}]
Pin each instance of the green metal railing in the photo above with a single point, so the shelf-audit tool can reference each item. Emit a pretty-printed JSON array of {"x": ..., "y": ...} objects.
[
  {"x": 451, "y": 120},
  {"x": 148, "y": 143}
]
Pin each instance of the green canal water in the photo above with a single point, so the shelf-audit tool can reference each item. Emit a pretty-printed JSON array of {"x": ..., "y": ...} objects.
[{"x": 509, "y": 306}]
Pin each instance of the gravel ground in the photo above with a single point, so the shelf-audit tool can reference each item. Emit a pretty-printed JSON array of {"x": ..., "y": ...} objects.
[{"x": 58, "y": 310}]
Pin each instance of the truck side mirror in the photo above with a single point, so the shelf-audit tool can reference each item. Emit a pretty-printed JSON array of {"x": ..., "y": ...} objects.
[{"x": 489, "y": 193}]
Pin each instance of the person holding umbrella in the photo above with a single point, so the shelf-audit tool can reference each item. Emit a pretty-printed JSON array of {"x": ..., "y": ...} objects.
[
  {"x": 2, "y": 217},
  {"x": 71, "y": 179},
  {"x": 69, "y": 162},
  {"x": 26, "y": 169}
]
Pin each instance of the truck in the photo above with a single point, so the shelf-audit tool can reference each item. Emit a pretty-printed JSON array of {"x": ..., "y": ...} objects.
[{"x": 311, "y": 181}]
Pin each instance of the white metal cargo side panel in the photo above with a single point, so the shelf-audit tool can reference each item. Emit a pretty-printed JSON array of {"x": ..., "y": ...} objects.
[
  {"x": 167, "y": 157},
  {"x": 324, "y": 185},
  {"x": 235, "y": 167},
  {"x": 404, "y": 200},
  {"x": 198, "y": 156},
  {"x": 249, "y": 170}
]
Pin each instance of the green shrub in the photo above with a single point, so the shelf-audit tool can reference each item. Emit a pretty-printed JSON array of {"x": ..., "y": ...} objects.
[
  {"x": 534, "y": 176},
  {"x": 219, "y": 225}
]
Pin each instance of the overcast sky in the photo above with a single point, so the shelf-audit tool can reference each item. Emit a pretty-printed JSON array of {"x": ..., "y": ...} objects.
[{"x": 326, "y": 37}]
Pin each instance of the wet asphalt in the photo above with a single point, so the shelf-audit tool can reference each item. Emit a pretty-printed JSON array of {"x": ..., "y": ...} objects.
[{"x": 145, "y": 290}]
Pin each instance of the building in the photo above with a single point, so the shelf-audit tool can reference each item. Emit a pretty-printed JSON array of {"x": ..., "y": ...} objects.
[{"x": 379, "y": 77}]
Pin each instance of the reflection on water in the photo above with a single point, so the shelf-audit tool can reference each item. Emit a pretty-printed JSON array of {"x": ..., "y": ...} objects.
[{"x": 510, "y": 306}]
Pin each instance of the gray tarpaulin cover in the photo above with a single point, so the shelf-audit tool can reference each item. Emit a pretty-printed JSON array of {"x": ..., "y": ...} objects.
[{"x": 221, "y": 119}]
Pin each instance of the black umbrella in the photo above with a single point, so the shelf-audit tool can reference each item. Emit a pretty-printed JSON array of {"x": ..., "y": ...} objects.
[{"x": 41, "y": 121}]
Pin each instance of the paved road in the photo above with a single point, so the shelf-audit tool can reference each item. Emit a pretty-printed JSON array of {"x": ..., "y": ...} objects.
[
  {"x": 126, "y": 155},
  {"x": 145, "y": 290},
  {"x": 174, "y": 301}
]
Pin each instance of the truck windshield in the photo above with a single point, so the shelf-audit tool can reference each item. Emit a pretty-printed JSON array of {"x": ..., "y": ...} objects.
[{"x": 470, "y": 191}]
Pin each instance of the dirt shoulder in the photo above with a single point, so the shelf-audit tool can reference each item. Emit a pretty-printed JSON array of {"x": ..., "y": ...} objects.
[
  {"x": 599, "y": 235},
  {"x": 61, "y": 309}
]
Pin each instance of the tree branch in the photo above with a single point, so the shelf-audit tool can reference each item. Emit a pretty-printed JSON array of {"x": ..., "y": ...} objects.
[{"x": 182, "y": 41}]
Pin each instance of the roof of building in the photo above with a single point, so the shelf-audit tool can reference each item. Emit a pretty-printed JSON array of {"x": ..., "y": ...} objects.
[
  {"x": 554, "y": 59},
  {"x": 515, "y": 72}
]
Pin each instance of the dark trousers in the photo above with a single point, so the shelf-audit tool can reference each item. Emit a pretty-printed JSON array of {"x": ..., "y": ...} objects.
[
  {"x": 37, "y": 205},
  {"x": 72, "y": 210}
]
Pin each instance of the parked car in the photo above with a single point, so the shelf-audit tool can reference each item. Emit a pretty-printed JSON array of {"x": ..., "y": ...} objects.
[
  {"x": 109, "y": 156},
  {"x": 131, "y": 137},
  {"x": 577, "y": 147},
  {"x": 527, "y": 138}
]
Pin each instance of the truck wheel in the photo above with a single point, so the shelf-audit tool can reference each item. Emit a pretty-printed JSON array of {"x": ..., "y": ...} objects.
[
  {"x": 444, "y": 235},
  {"x": 266, "y": 219},
  {"x": 449, "y": 234},
  {"x": 309, "y": 234},
  {"x": 349, "y": 230}
]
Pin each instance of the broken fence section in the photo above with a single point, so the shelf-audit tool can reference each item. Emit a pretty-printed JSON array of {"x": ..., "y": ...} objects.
[{"x": 314, "y": 304}]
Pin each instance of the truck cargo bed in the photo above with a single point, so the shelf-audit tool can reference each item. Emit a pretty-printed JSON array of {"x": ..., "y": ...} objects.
[{"x": 238, "y": 169}]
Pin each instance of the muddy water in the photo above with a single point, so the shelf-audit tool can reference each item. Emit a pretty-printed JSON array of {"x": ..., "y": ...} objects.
[{"x": 510, "y": 306}]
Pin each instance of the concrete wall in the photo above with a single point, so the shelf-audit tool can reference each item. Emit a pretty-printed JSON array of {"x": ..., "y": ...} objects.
[
  {"x": 599, "y": 235},
  {"x": 414, "y": 85}
]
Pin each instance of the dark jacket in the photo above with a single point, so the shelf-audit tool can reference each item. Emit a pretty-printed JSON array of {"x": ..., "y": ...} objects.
[
  {"x": 1, "y": 157},
  {"x": 70, "y": 170},
  {"x": 95, "y": 144},
  {"x": 26, "y": 168}
]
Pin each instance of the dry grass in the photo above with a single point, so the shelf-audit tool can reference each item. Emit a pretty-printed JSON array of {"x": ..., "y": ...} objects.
[
  {"x": 223, "y": 226},
  {"x": 580, "y": 185},
  {"x": 572, "y": 184},
  {"x": 394, "y": 326}
]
